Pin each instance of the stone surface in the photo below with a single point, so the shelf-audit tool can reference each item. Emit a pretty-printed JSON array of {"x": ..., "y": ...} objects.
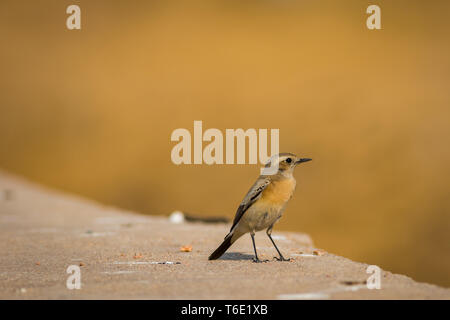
[{"x": 43, "y": 232}]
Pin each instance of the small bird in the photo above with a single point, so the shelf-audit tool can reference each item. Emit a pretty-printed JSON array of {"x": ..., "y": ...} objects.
[{"x": 264, "y": 204}]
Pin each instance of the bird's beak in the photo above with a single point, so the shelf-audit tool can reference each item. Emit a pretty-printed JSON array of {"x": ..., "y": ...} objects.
[{"x": 302, "y": 160}]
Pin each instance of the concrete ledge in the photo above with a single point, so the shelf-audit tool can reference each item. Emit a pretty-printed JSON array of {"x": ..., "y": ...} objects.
[{"x": 123, "y": 255}]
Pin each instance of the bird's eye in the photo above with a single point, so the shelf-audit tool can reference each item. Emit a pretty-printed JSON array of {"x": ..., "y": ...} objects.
[{"x": 288, "y": 160}]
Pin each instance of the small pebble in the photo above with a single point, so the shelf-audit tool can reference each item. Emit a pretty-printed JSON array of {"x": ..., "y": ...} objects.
[
  {"x": 176, "y": 217},
  {"x": 318, "y": 252},
  {"x": 186, "y": 249}
]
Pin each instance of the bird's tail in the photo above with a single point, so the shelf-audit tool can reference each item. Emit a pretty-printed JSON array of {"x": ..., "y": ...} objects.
[{"x": 222, "y": 248}]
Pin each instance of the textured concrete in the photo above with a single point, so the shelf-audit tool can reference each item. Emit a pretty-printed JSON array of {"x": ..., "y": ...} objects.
[{"x": 42, "y": 232}]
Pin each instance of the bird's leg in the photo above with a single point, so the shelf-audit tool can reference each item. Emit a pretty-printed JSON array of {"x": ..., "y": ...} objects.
[
  {"x": 255, "y": 259},
  {"x": 269, "y": 234}
]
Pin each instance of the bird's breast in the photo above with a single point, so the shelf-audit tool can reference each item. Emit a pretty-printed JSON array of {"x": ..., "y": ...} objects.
[{"x": 278, "y": 192}]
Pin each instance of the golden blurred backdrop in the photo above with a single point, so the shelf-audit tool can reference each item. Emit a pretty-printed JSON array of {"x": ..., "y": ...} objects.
[{"x": 91, "y": 112}]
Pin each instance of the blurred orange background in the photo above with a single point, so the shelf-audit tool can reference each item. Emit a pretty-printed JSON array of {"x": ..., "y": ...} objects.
[{"x": 91, "y": 112}]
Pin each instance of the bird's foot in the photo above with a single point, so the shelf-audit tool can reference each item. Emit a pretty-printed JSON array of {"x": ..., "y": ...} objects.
[
  {"x": 281, "y": 258},
  {"x": 256, "y": 260}
]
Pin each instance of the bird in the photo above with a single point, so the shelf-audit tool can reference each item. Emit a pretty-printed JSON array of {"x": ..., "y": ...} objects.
[{"x": 264, "y": 204}]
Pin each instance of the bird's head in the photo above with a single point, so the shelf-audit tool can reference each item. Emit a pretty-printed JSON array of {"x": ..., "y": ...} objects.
[{"x": 285, "y": 162}]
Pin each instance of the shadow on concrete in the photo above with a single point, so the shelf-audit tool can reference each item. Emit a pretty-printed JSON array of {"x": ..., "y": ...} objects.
[{"x": 236, "y": 256}]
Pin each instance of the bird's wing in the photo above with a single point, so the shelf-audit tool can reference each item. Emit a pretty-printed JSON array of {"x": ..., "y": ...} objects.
[{"x": 250, "y": 198}]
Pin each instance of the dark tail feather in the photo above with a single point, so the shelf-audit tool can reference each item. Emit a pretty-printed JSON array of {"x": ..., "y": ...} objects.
[{"x": 221, "y": 249}]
